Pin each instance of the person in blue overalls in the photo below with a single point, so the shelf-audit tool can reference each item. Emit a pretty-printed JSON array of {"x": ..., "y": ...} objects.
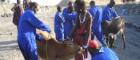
[
  {"x": 109, "y": 12},
  {"x": 96, "y": 13},
  {"x": 99, "y": 53},
  {"x": 27, "y": 32},
  {"x": 59, "y": 25},
  {"x": 70, "y": 17}
]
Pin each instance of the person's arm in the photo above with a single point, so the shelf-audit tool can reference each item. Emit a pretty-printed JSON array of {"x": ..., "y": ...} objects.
[
  {"x": 61, "y": 18},
  {"x": 114, "y": 13},
  {"x": 73, "y": 29},
  {"x": 39, "y": 37},
  {"x": 20, "y": 10},
  {"x": 106, "y": 15},
  {"x": 88, "y": 27},
  {"x": 74, "y": 18},
  {"x": 38, "y": 24},
  {"x": 13, "y": 9}
]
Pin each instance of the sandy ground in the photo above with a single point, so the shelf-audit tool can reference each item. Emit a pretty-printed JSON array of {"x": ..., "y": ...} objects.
[{"x": 9, "y": 49}]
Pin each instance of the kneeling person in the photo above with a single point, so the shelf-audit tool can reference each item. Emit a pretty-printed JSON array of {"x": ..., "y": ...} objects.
[{"x": 98, "y": 53}]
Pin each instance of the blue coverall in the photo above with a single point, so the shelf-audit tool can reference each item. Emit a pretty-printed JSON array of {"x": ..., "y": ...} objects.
[
  {"x": 108, "y": 54},
  {"x": 109, "y": 13},
  {"x": 96, "y": 13},
  {"x": 70, "y": 19},
  {"x": 27, "y": 34},
  {"x": 59, "y": 26}
]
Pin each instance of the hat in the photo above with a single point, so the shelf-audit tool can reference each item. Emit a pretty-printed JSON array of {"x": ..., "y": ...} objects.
[{"x": 94, "y": 44}]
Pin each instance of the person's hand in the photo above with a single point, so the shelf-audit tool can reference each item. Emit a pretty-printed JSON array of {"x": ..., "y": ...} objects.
[
  {"x": 52, "y": 36},
  {"x": 45, "y": 34}
]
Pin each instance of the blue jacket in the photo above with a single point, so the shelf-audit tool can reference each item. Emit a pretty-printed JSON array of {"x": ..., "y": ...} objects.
[
  {"x": 96, "y": 13},
  {"x": 70, "y": 19},
  {"x": 27, "y": 34},
  {"x": 59, "y": 26},
  {"x": 108, "y": 54},
  {"x": 109, "y": 13}
]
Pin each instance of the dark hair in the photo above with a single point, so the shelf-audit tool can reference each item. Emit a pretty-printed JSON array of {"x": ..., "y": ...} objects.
[
  {"x": 69, "y": 3},
  {"x": 92, "y": 3},
  {"x": 112, "y": 3},
  {"x": 33, "y": 5},
  {"x": 58, "y": 8},
  {"x": 80, "y": 4}
]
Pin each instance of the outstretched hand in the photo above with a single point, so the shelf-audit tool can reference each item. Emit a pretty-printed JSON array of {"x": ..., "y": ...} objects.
[{"x": 46, "y": 35}]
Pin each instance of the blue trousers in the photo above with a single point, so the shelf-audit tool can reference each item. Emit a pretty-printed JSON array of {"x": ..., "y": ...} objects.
[
  {"x": 59, "y": 36},
  {"x": 28, "y": 54}
]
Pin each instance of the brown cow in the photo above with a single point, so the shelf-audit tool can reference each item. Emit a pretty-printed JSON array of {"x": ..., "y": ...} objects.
[
  {"x": 54, "y": 50},
  {"x": 110, "y": 30}
]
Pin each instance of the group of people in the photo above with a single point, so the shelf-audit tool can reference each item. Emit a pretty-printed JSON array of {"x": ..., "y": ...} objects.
[
  {"x": 65, "y": 20},
  {"x": 75, "y": 21}
]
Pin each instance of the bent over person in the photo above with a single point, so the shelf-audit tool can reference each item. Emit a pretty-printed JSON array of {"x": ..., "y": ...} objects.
[
  {"x": 81, "y": 32},
  {"x": 27, "y": 32}
]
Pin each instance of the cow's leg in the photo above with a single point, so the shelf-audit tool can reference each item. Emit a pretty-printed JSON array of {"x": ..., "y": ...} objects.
[
  {"x": 107, "y": 39},
  {"x": 111, "y": 42},
  {"x": 123, "y": 38},
  {"x": 123, "y": 35}
]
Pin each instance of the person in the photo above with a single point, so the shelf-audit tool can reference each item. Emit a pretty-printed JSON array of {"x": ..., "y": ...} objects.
[
  {"x": 96, "y": 52},
  {"x": 27, "y": 32},
  {"x": 109, "y": 12},
  {"x": 59, "y": 25},
  {"x": 70, "y": 17},
  {"x": 96, "y": 13},
  {"x": 18, "y": 11},
  {"x": 26, "y": 4},
  {"x": 81, "y": 32}
]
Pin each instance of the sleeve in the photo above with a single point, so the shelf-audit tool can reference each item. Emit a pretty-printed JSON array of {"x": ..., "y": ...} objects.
[
  {"x": 38, "y": 24},
  {"x": 91, "y": 12},
  {"x": 73, "y": 29},
  {"x": 114, "y": 12},
  {"x": 39, "y": 37},
  {"x": 106, "y": 15},
  {"x": 65, "y": 14},
  {"x": 65, "y": 10},
  {"x": 99, "y": 15},
  {"x": 74, "y": 16},
  {"x": 61, "y": 18}
]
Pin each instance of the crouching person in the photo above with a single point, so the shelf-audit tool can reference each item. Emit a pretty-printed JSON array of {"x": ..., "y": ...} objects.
[
  {"x": 99, "y": 53},
  {"x": 28, "y": 24}
]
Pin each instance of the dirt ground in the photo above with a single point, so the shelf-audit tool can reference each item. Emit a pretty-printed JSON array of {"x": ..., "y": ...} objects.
[{"x": 9, "y": 49}]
